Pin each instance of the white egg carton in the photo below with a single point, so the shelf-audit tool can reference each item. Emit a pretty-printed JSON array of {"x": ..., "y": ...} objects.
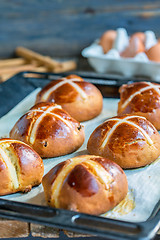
[{"x": 112, "y": 62}]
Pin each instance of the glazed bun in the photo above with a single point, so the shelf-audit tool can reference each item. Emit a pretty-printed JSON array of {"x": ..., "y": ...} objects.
[
  {"x": 130, "y": 141},
  {"x": 89, "y": 184},
  {"x": 49, "y": 130},
  {"x": 141, "y": 98},
  {"x": 82, "y": 100},
  {"x": 20, "y": 167}
]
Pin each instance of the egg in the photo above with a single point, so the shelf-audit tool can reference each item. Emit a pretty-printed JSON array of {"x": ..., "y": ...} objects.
[
  {"x": 154, "y": 53},
  {"x": 107, "y": 40},
  {"x": 140, "y": 35},
  {"x": 135, "y": 46}
]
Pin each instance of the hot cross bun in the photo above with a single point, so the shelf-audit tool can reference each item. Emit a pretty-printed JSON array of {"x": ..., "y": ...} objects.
[
  {"x": 131, "y": 141},
  {"x": 20, "y": 167},
  {"x": 49, "y": 129},
  {"x": 89, "y": 184},
  {"x": 82, "y": 100},
  {"x": 141, "y": 98}
]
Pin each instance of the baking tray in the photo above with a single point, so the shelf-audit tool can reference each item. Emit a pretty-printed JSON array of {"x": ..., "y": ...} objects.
[{"x": 11, "y": 93}]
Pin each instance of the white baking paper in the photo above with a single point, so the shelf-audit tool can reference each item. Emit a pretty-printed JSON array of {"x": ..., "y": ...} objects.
[{"x": 144, "y": 183}]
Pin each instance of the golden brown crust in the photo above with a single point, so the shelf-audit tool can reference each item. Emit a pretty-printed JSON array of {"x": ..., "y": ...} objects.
[
  {"x": 49, "y": 129},
  {"x": 141, "y": 98},
  {"x": 130, "y": 141},
  {"x": 20, "y": 167},
  {"x": 82, "y": 100},
  {"x": 49, "y": 179},
  {"x": 87, "y": 179},
  {"x": 5, "y": 180}
]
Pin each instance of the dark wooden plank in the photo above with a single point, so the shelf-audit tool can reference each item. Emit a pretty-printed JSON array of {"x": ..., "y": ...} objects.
[
  {"x": 64, "y": 28},
  {"x": 43, "y": 231},
  {"x": 13, "y": 229}
]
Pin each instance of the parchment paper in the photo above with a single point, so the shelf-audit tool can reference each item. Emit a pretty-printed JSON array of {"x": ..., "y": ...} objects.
[{"x": 144, "y": 183}]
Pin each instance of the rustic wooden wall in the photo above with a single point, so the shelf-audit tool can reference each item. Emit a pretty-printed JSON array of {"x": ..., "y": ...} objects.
[{"x": 64, "y": 27}]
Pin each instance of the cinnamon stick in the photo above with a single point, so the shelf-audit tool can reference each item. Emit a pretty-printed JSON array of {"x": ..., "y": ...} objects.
[
  {"x": 12, "y": 62},
  {"x": 52, "y": 65},
  {"x": 4, "y": 75},
  {"x": 26, "y": 67}
]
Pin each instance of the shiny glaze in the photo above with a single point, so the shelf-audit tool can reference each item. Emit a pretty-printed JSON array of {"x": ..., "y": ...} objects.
[
  {"x": 124, "y": 132},
  {"x": 27, "y": 157},
  {"x": 52, "y": 174},
  {"x": 50, "y": 177},
  {"x": 81, "y": 180},
  {"x": 55, "y": 121},
  {"x": 135, "y": 124},
  {"x": 145, "y": 101},
  {"x": 81, "y": 177},
  {"x": 129, "y": 140},
  {"x": 6, "y": 186},
  {"x": 82, "y": 100},
  {"x": 27, "y": 163},
  {"x": 47, "y": 127},
  {"x": 2, "y": 164},
  {"x": 66, "y": 93},
  {"x": 111, "y": 167}
]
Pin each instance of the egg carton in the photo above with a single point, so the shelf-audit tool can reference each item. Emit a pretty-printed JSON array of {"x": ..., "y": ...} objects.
[{"x": 112, "y": 62}]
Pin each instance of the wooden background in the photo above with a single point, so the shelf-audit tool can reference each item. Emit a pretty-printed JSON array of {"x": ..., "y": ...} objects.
[{"x": 62, "y": 28}]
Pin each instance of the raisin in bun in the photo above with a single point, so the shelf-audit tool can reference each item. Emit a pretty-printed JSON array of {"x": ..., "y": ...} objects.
[
  {"x": 82, "y": 100},
  {"x": 49, "y": 129},
  {"x": 141, "y": 98},
  {"x": 130, "y": 141},
  {"x": 20, "y": 167},
  {"x": 89, "y": 184}
]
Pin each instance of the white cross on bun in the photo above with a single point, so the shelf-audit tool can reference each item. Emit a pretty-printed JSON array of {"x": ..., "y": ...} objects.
[
  {"x": 20, "y": 167},
  {"x": 131, "y": 141},
  {"x": 141, "y": 98},
  {"x": 86, "y": 183},
  {"x": 49, "y": 130},
  {"x": 81, "y": 99}
]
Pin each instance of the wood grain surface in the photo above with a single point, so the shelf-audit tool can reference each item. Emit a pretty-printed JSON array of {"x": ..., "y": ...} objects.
[
  {"x": 43, "y": 231},
  {"x": 63, "y": 28},
  {"x": 13, "y": 229}
]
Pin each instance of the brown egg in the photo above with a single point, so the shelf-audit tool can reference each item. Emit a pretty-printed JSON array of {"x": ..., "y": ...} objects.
[
  {"x": 140, "y": 35},
  {"x": 107, "y": 40},
  {"x": 154, "y": 53},
  {"x": 135, "y": 46}
]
